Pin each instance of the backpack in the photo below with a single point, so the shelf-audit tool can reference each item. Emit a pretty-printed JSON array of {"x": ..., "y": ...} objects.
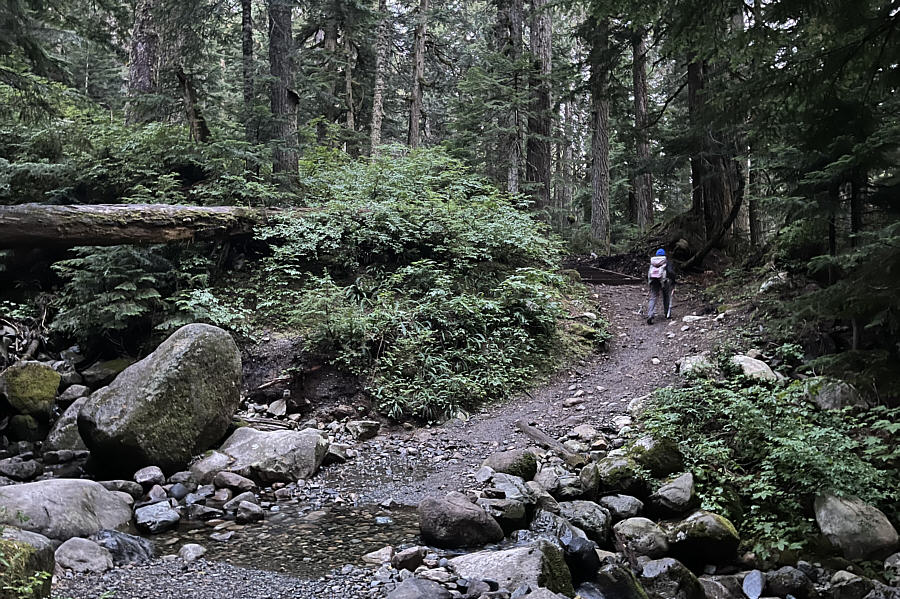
[{"x": 657, "y": 270}]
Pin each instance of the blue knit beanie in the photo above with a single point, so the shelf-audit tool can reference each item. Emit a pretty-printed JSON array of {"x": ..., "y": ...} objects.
[{"x": 660, "y": 252}]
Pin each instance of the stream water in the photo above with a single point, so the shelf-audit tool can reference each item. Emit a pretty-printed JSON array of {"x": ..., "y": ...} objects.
[{"x": 300, "y": 541}]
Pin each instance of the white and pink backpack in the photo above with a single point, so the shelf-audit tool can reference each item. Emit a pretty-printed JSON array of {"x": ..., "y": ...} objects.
[{"x": 657, "y": 270}]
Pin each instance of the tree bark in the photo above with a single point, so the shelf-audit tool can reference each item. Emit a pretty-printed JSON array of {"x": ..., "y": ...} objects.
[
  {"x": 716, "y": 239},
  {"x": 599, "y": 82},
  {"x": 382, "y": 56},
  {"x": 510, "y": 16},
  {"x": 413, "y": 137},
  {"x": 752, "y": 208},
  {"x": 284, "y": 98},
  {"x": 144, "y": 55},
  {"x": 250, "y": 130},
  {"x": 348, "y": 79},
  {"x": 858, "y": 188},
  {"x": 197, "y": 124},
  {"x": 539, "y": 159},
  {"x": 40, "y": 225},
  {"x": 643, "y": 183}
]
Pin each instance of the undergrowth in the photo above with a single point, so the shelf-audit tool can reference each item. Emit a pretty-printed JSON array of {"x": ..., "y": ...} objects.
[{"x": 762, "y": 451}]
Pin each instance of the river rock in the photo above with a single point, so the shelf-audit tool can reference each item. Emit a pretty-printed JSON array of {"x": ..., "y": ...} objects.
[
  {"x": 247, "y": 511},
  {"x": 859, "y": 530},
  {"x": 168, "y": 407},
  {"x": 25, "y": 427},
  {"x": 272, "y": 456},
  {"x": 409, "y": 558},
  {"x": 363, "y": 430},
  {"x": 30, "y": 387},
  {"x": 612, "y": 474},
  {"x": 753, "y": 368},
  {"x": 540, "y": 565},
  {"x": 621, "y": 507},
  {"x": 417, "y": 588},
  {"x": 205, "y": 470},
  {"x": 660, "y": 456},
  {"x": 640, "y": 536},
  {"x": 675, "y": 497},
  {"x": 63, "y": 508},
  {"x": 83, "y": 555},
  {"x": 892, "y": 568},
  {"x": 125, "y": 549},
  {"x": 512, "y": 487},
  {"x": 149, "y": 476},
  {"x": 668, "y": 578},
  {"x": 72, "y": 394},
  {"x": 103, "y": 372},
  {"x": 191, "y": 552},
  {"x": 124, "y": 486},
  {"x": 516, "y": 462},
  {"x": 593, "y": 519},
  {"x": 156, "y": 518},
  {"x": 454, "y": 521},
  {"x": 64, "y": 433},
  {"x": 233, "y": 481},
  {"x": 790, "y": 581},
  {"x": 612, "y": 582},
  {"x": 704, "y": 538},
  {"x": 28, "y": 553},
  {"x": 832, "y": 394},
  {"x": 19, "y": 469},
  {"x": 510, "y": 514},
  {"x": 555, "y": 528}
]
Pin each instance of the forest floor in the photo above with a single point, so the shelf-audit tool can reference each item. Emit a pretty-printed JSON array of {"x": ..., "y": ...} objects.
[{"x": 400, "y": 467}]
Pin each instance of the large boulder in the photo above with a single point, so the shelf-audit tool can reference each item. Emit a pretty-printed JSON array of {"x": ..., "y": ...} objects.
[
  {"x": 30, "y": 387},
  {"x": 640, "y": 536},
  {"x": 175, "y": 403},
  {"x": 612, "y": 474},
  {"x": 517, "y": 462},
  {"x": 125, "y": 548},
  {"x": 418, "y": 588},
  {"x": 621, "y": 507},
  {"x": 675, "y": 497},
  {"x": 593, "y": 519},
  {"x": 83, "y": 555},
  {"x": 704, "y": 538},
  {"x": 454, "y": 521},
  {"x": 612, "y": 582},
  {"x": 540, "y": 565},
  {"x": 832, "y": 394},
  {"x": 28, "y": 557},
  {"x": 64, "y": 434},
  {"x": 859, "y": 530},
  {"x": 753, "y": 368},
  {"x": 265, "y": 456},
  {"x": 63, "y": 508},
  {"x": 660, "y": 456},
  {"x": 668, "y": 578}
]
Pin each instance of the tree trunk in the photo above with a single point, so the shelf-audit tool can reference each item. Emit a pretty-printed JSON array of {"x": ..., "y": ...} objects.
[
  {"x": 510, "y": 14},
  {"x": 198, "y": 127},
  {"x": 142, "y": 69},
  {"x": 752, "y": 208},
  {"x": 643, "y": 183},
  {"x": 250, "y": 130},
  {"x": 415, "y": 107},
  {"x": 381, "y": 60},
  {"x": 857, "y": 198},
  {"x": 348, "y": 79},
  {"x": 41, "y": 225},
  {"x": 716, "y": 239},
  {"x": 284, "y": 98},
  {"x": 539, "y": 158},
  {"x": 599, "y": 81}
]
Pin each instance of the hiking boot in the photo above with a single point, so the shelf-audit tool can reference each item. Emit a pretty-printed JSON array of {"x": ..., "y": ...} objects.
[{"x": 650, "y": 320}]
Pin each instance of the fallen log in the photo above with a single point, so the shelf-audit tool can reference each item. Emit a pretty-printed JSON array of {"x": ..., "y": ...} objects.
[
  {"x": 548, "y": 442},
  {"x": 41, "y": 225}
]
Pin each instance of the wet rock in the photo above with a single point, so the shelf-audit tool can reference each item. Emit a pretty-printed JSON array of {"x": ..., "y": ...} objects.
[
  {"x": 851, "y": 587},
  {"x": 268, "y": 456},
  {"x": 34, "y": 553},
  {"x": 178, "y": 491},
  {"x": 83, "y": 555},
  {"x": 30, "y": 387},
  {"x": 170, "y": 406},
  {"x": 416, "y": 588},
  {"x": 512, "y": 487},
  {"x": 63, "y": 508},
  {"x": 581, "y": 558},
  {"x": 640, "y": 536},
  {"x": 410, "y": 558},
  {"x": 149, "y": 476},
  {"x": 156, "y": 518},
  {"x": 124, "y": 486},
  {"x": 555, "y": 528},
  {"x": 232, "y": 504},
  {"x": 716, "y": 590},
  {"x": 668, "y": 578},
  {"x": 248, "y": 512},
  {"x": 233, "y": 481},
  {"x": 510, "y": 514},
  {"x": 64, "y": 433},
  {"x": 336, "y": 454},
  {"x": 753, "y": 368},
  {"x": 19, "y": 469},
  {"x": 660, "y": 456},
  {"x": 541, "y": 565},
  {"x": 590, "y": 517},
  {"x": 790, "y": 581},
  {"x": 621, "y": 507},
  {"x": 704, "y": 538},
  {"x": 516, "y": 462},
  {"x": 363, "y": 430},
  {"x": 201, "y": 512},
  {"x": 542, "y": 499},
  {"x": 125, "y": 549},
  {"x": 675, "y": 497},
  {"x": 191, "y": 552},
  {"x": 859, "y": 530},
  {"x": 753, "y": 585},
  {"x": 612, "y": 582},
  {"x": 454, "y": 521}
]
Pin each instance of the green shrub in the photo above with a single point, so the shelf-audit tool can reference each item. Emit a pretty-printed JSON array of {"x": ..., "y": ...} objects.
[{"x": 761, "y": 453}]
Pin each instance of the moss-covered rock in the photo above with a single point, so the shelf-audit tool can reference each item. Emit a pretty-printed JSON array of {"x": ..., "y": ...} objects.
[
  {"x": 23, "y": 427},
  {"x": 103, "y": 373},
  {"x": 660, "y": 456},
  {"x": 540, "y": 565},
  {"x": 516, "y": 462},
  {"x": 29, "y": 562},
  {"x": 616, "y": 474},
  {"x": 704, "y": 538},
  {"x": 30, "y": 387}
]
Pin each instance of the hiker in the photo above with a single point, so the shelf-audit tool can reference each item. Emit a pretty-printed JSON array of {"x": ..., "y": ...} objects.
[{"x": 661, "y": 278}]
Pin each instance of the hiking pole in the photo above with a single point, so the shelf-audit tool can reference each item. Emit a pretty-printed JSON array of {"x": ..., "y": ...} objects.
[{"x": 671, "y": 297}]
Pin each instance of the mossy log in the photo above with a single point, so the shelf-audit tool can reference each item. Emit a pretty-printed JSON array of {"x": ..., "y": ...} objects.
[{"x": 41, "y": 225}]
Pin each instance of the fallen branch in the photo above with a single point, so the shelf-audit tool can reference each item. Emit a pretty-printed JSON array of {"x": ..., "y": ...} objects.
[{"x": 548, "y": 442}]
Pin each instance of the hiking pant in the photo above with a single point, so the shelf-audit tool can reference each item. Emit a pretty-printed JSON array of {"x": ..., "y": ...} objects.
[{"x": 658, "y": 288}]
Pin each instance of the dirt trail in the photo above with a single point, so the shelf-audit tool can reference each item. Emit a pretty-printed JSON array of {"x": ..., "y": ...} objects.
[{"x": 408, "y": 465}]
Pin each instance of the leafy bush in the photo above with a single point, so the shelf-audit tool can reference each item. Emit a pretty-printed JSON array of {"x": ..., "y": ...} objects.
[{"x": 762, "y": 452}]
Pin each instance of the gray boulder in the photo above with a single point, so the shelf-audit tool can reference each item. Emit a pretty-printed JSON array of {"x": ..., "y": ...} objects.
[
  {"x": 510, "y": 514},
  {"x": 517, "y": 462},
  {"x": 892, "y": 568},
  {"x": 540, "y": 565},
  {"x": 660, "y": 456},
  {"x": 191, "y": 552},
  {"x": 790, "y": 581},
  {"x": 149, "y": 476},
  {"x": 668, "y": 578},
  {"x": 593, "y": 519},
  {"x": 125, "y": 549},
  {"x": 621, "y": 507},
  {"x": 640, "y": 536},
  {"x": 18, "y": 469},
  {"x": 612, "y": 474},
  {"x": 172, "y": 405},
  {"x": 72, "y": 394},
  {"x": 454, "y": 521},
  {"x": 83, "y": 555},
  {"x": 612, "y": 582},
  {"x": 266, "y": 456},
  {"x": 704, "y": 538},
  {"x": 859, "y": 530},
  {"x": 64, "y": 433},
  {"x": 418, "y": 588},
  {"x": 103, "y": 372},
  {"x": 512, "y": 487},
  {"x": 30, "y": 387},
  {"x": 27, "y": 554},
  {"x": 753, "y": 368},
  {"x": 124, "y": 486},
  {"x": 675, "y": 497},
  {"x": 832, "y": 394},
  {"x": 63, "y": 508},
  {"x": 555, "y": 528},
  {"x": 363, "y": 430},
  {"x": 156, "y": 518}
]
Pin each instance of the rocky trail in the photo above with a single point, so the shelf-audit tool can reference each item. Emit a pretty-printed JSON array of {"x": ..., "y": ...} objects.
[{"x": 311, "y": 546}]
